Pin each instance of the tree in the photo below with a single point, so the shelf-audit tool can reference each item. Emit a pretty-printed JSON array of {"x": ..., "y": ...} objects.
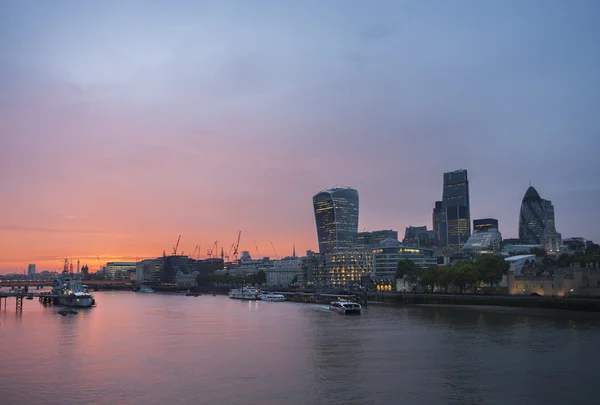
[
  {"x": 405, "y": 267},
  {"x": 491, "y": 269},
  {"x": 538, "y": 252},
  {"x": 564, "y": 260},
  {"x": 430, "y": 277},
  {"x": 445, "y": 277},
  {"x": 260, "y": 277},
  {"x": 593, "y": 249}
]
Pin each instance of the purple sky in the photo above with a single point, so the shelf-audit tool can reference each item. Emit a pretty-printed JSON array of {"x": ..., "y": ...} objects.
[{"x": 126, "y": 123}]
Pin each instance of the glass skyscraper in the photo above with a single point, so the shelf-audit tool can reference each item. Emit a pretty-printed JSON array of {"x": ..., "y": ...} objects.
[
  {"x": 536, "y": 218},
  {"x": 455, "y": 223},
  {"x": 336, "y": 215}
]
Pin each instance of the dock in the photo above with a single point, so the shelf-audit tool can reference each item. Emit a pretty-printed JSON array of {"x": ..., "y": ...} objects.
[{"x": 45, "y": 298}]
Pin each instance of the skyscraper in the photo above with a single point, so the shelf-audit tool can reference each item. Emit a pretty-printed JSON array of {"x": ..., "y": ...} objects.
[
  {"x": 455, "y": 222},
  {"x": 436, "y": 219},
  {"x": 536, "y": 217},
  {"x": 336, "y": 215},
  {"x": 31, "y": 271}
]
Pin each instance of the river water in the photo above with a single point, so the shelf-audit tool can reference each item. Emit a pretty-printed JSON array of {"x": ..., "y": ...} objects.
[{"x": 162, "y": 349}]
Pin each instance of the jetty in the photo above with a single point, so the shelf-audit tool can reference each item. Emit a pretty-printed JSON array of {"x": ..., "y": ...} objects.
[{"x": 46, "y": 298}]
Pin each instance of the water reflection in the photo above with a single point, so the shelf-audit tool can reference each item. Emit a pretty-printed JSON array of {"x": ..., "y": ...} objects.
[{"x": 155, "y": 349}]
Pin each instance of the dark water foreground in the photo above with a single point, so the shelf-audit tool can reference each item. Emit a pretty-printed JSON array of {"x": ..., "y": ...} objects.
[{"x": 164, "y": 349}]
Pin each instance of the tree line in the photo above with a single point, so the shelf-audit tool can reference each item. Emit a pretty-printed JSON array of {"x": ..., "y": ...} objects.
[
  {"x": 260, "y": 277},
  {"x": 589, "y": 258},
  {"x": 487, "y": 269}
]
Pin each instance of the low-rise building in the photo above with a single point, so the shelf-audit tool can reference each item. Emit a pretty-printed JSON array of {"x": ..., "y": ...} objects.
[
  {"x": 576, "y": 281},
  {"x": 118, "y": 270},
  {"x": 282, "y": 272},
  {"x": 483, "y": 242}
]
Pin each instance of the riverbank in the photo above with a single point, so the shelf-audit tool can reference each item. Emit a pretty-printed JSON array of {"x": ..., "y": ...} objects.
[{"x": 573, "y": 304}]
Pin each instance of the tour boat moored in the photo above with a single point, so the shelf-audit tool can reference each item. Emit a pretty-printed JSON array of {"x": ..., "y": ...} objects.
[{"x": 272, "y": 297}]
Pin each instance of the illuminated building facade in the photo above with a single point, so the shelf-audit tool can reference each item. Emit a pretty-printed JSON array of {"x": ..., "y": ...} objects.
[
  {"x": 347, "y": 268},
  {"x": 390, "y": 252},
  {"x": 484, "y": 242},
  {"x": 118, "y": 270},
  {"x": 455, "y": 221},
  {"x": 336, "y": 216},
  {"x": 485, "y": 224}
]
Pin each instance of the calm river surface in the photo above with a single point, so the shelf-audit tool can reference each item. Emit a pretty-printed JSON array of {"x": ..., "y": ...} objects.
[{"x": 162, "y": 349}]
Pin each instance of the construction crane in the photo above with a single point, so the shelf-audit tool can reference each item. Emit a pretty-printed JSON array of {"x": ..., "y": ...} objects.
[
  {"x": 176, "y": 246},
  {"x": 194, "y": 252},
  {"x": 237, "y": 245},
  {"x": 256, "y": 246},
  {"x": 274, "y": 251}
]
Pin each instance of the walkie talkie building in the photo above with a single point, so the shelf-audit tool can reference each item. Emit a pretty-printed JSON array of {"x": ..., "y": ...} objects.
[{"x": 336, "y": 215}]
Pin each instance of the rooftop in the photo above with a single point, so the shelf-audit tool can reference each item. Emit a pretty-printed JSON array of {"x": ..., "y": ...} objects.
[{"x": 518, "y": 257}]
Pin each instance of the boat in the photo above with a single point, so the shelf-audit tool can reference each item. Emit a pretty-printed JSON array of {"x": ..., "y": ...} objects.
[
  {"x": 345, "y": 307},
  {"x": 272, "y": 297},
  {"x": 65, "y": 313},
  {"x": 250, "y": 293},
  {"x": 69, "y": 291},
  {"x": 146, "y": 289}
]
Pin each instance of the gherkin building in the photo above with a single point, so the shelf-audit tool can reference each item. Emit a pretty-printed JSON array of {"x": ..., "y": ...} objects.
[{"x": 536, "y": 218}]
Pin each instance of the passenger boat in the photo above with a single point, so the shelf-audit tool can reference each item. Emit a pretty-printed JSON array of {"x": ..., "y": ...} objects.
[
  {"x": 250, "y": 293},
  {"x": 345, "y": 307},
  {"x": 272, "y": 297},
  {"x": 69, "y": 291},
  {"x": 146, "y": 289}
]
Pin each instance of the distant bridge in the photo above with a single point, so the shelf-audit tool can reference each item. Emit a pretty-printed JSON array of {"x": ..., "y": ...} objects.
[{"x": 40, "y": 284}]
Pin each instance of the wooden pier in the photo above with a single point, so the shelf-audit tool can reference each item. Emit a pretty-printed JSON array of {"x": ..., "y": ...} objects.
[{"x": 45, "y": 298}]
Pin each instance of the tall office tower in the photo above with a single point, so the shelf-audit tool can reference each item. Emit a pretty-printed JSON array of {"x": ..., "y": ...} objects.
[
  {"x": 31, "y": 271},
  {"x": 485, "y": 224},
  {"x": 455, "y": 223},
  {"x": 336, "y": 215},
  {"x": 437, "y": 218},
  {"x": 536, "y": 218}
]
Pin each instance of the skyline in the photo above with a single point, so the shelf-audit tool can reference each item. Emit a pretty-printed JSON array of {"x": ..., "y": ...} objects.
[{"x": 123, "y": 126}]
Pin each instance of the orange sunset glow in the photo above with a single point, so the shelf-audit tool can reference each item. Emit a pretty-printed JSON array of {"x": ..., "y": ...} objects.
[{"x": 120, "y": 132}]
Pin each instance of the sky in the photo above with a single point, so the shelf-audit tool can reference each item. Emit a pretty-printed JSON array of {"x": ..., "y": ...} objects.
[{"x": 124, "y": 124}]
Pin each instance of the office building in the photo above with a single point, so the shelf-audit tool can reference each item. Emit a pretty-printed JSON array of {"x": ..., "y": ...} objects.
[
  {"x": 485, "y": 224},
  {"x": 455, "y": 220},
  {"x": 365, "y": 240},
  {"x": 536, "y": 219},
  {"x": 31, "y": 271},
  {"x": 483, "y": 242},
  {"x": 336, "y": 216},
  {"x": 347, "y": 268},
  {"x": 436, "y": 219},
  {"x": 390, "y": 252},
  {"x": 118, "y": 270}
]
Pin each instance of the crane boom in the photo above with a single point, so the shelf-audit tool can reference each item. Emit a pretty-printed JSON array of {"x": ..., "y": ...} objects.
[
  {"x": 274, "y": 251},
  {"x": 176, "y": 246},
  {"x": 257, "y": 252},
  {"x": 237, "y": 245}
]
